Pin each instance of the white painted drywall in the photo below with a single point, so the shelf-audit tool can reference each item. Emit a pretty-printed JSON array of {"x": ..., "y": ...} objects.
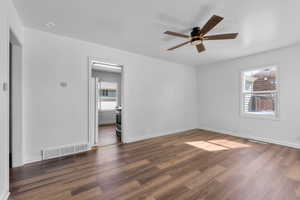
[
  {"x": 160, "y": 96},
  {"x": 219, "y": 92},
  {"x": 4, "y": 188},
  {"x": 17, "y": 104},
  {"x": 8, "y": 20},
  {"x": 108, "y": 116},
  {"x": 15, "y": 22}
]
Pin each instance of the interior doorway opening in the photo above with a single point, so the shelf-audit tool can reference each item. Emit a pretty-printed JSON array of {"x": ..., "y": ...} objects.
[
  {"x": 108, "y": 102},
  {"x": 15, "y": 102},
  {"x": 106, "y": 93}
]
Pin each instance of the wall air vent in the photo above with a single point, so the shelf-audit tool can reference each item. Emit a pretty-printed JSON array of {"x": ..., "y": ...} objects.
[{"x": 64, "y": 151}]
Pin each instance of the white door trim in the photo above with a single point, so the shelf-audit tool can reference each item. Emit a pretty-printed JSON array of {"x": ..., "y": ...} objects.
[
  {"x": 93, "y": 119},
  {"x": 91, "y": 138},
  {"x": 96, "y": 132},
  {"x": 17, "y": 100}
]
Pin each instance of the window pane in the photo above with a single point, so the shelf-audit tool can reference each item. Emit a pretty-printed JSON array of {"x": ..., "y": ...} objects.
[
  {"x": 108, "y": 105},
  {"x": 108, "y": 92},
  {"x": 260, "y": 80},
  {"x": 108, "y": 95},
  {"x": 263, "y": 103}
]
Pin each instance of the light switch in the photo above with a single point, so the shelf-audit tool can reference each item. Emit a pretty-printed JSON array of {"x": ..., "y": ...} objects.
[
  {"x": 63, "y": 84},
  {"x": 5, "y": 86}
]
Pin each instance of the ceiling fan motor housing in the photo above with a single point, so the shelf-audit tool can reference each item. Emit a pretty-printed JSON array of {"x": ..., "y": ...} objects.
[{"x": 195, "y": 35}]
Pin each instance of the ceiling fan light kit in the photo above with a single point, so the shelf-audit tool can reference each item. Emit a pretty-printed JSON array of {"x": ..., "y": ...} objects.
[
  {"x": 198, "y": 35},
  {"x": 196, "y": 38}
]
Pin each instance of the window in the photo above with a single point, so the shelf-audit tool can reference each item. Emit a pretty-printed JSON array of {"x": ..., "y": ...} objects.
[
  {"x": 260, "y": 92},
  {"x": 108, "y": 98}
]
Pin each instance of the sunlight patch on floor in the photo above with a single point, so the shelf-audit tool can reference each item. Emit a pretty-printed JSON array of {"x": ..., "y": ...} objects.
[
  {"x": 229, "y": 143},
  {"x": 207, "y": 146},
  {"x": 217, "y": 145}
]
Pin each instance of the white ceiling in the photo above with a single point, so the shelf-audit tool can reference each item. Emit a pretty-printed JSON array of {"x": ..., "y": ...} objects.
[{"x": 138, "y": 25}]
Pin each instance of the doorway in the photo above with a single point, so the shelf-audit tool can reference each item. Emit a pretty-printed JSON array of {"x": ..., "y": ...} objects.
[
  {"x": 10, "y": 106},
  {"x": 108, "y": 100},
  {"x": 15, "y": 102},
  {"x": 105, "y": 95}
]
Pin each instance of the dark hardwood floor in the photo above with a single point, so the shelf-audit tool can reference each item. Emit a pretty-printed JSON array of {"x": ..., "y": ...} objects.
[
  {"x": 107, "y": 135},
  {"x": 192, "y": 165}
]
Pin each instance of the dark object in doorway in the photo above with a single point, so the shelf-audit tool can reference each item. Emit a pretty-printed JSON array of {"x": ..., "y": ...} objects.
[{"x": 119, "y": 122}]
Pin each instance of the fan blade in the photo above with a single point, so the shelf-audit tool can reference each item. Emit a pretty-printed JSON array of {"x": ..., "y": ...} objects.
[
  {"x": 179, "y": 45},
  {"x": 176, "y": 34},
  {"x": 200, "y": 47},
  {"x": 221, "y": 36},
  {"x": 212, "y": 22}
]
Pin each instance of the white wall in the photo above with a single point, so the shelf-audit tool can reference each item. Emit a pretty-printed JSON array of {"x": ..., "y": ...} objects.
[
  {"x": 17, "y": 104},
  {"x": 160, "y": 96},
  {"x": 3, "y": 101},
  {"x": 8, "y": 20},
  {"x": 108, "y": 116},
  {"x": 219, "y": 91}
]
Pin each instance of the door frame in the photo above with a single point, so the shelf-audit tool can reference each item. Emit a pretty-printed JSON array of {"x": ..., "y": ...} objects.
[
  {"x": 94, "y": 116},
  {"x": 91, "y": 138},
  {"x": 16, "y": 99}
]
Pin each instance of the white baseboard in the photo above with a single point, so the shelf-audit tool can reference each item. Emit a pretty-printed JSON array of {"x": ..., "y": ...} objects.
[
  {"x": 262, "y": 139},
  {"x": 32, "y": 159},
  {"x": 145, "y": 137},
  {"x": 4, "y": 196}
]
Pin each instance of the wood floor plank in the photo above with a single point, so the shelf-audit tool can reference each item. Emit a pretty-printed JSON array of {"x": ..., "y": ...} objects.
[
  {"x": 205, "y": 177},
  {"x": 150, "y": 186},
  {"x": 174, "y": 183},
  {"x": 190, "y": 165},
  {"x": 94, "y": 193},
  {"x": 298, "y": 191},
  {"x": 293, "y": 171}
]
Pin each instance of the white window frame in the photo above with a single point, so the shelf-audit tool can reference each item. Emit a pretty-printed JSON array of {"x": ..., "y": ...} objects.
[{"x": 242, "y": 92}]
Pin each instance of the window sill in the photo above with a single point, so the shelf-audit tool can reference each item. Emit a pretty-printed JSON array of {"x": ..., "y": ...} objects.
[{"x": 260, "y": 116}]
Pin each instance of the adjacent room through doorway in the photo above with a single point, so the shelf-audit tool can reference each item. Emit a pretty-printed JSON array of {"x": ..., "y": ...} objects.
[{"x": 108, "y": 106}]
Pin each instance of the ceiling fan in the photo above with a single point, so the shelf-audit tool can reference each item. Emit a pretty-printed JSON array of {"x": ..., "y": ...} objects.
[{"x": 198, "y": 35}]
